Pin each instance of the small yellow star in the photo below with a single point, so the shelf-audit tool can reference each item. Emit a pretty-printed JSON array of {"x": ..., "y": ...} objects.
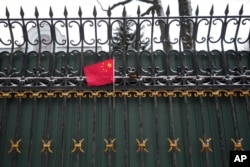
[{"x": 109, "y": 65}]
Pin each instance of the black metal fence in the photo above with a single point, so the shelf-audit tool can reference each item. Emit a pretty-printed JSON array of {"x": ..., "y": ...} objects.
[{"x": 55, "y": 59}]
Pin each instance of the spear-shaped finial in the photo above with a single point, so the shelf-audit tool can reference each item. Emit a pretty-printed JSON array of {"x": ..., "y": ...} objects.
[
  {"x": 80, "y": 11},
  {"x": 168, "y": 11},
  {"x": 94, "y": 12},
  {"x": 7, "y": 13},
  {"x": 138, "y": 10},
  {"x": 241, "y": 10},
  {"x": 50, "y": 12},
  {"x": 227, "y": 10},
  {"x": 197, "y": 11},
  {"x": 36, "y": 12},
  {"x": 109, "y": 12},
  {"x": 212, "y": 10},
  {"x": 124, "y": 13},
  {"x": 21, "y": 12},
  {"x": 65, "y": 13}
]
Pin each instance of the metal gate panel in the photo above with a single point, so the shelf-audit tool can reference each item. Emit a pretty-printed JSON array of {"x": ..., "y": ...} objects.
[{"x": 125, "y": 119}]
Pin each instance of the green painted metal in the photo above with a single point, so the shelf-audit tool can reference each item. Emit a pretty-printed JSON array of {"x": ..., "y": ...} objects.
[{"x": 64, "y": 119}]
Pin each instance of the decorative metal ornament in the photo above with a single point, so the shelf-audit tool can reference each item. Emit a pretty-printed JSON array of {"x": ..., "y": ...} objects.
[
  {"x": 237, "y": 145},
  {"x": 173, "y": 145},
  {"x": 46, "y": 146},
  {"x": 205, "y": 145},
  {"x": 141, "y": 145},
  {"x": 77, "y": 146},
  {"x": 109, "y": 145},
  {"x": 14, "y": 146}
]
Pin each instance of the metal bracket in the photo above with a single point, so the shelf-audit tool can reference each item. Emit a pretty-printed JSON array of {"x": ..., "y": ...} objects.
[
  {"x": 237, "y": 145},
  {"x": 47, "y": 145},
  {"x": 141, "y": 145},
  {"x": 109, "y": 145},
  {"x": 205, "y": 145},
  {"x": 77, "y": 145},
  {"x": 173, "y": 145},
  {"x": 15, "y": 146}
]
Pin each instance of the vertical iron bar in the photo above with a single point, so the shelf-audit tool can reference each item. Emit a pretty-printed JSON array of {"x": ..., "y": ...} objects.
[
  {"x": 203, "y": 124},
  {"x": 152, "y": 51},
  {"x": 61, "y": 159},
  {"x": 126, "y": 139},
  {"x": 221, "y": 131},
  {"x": 124, "y": 69},
  {"x": 38, "y": 61},
  {"x": 172, "y": 131},
  {"x": 3, "y": 124},
  {"x": 236, "y": 41},
  {"x": 141, "y": 128},
  {"x": 209, "y": 28},
  {"x": 248, "y": 109},
  {"x": 95, "y": 26},
  {"x": 33, "y": 119},
  {"x": 12, "y": 43},
  {"x": 67, "y": 32},
  {"x": 157, "y": 132},
  {"x": 78, "y": 128},
  {"x": 25, "y": 38},
  {"x": 46, "y": 131},
  {"x": 81, "y": 36},
  {"x": 188, "y": 131},
  {"x": 17, "y": 130},
  {"x": 223, "y": 34},
  {"x": 94, "y": 134},
  {"x": 110, "y": 129},
  {"x": 138, "y": 46},
  {"x": 237, "y": 29},
  {"x": 234, "y": 118},
  {"x": 53, "y": 38}
]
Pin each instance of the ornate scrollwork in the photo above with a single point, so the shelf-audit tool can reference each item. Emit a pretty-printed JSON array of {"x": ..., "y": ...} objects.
[
  {"x": 20, "y": 94},
  {"x": 5, "y": 94},
  {"x": 120, "y": 93},
  {"x": 244, "y": 93},
  {"x": 109, "y": 94}
]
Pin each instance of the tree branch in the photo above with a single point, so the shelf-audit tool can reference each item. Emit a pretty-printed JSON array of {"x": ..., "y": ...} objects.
[
  {"x": 150, "y": 9},
  {"x": 115, "y": 5},
  {"x": 122, "y": 3},
  {"x": 146, "y": 1},
  {"x": 101, "y": 6}
]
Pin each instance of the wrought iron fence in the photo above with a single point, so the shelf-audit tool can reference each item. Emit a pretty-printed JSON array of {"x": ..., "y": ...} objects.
[
  {"x": 54, "y": 55},
  {"x": 46, "y": 65}
]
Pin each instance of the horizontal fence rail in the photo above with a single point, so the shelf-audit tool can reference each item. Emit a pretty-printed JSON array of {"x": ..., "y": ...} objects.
[{"x": 51, "y": 52}]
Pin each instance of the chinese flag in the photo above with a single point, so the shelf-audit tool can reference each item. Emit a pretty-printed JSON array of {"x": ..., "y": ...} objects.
[{"x": 101, "y": 73}]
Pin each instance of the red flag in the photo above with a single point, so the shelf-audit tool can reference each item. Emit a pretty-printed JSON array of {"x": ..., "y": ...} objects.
[{"x": 101, "y": 73}]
